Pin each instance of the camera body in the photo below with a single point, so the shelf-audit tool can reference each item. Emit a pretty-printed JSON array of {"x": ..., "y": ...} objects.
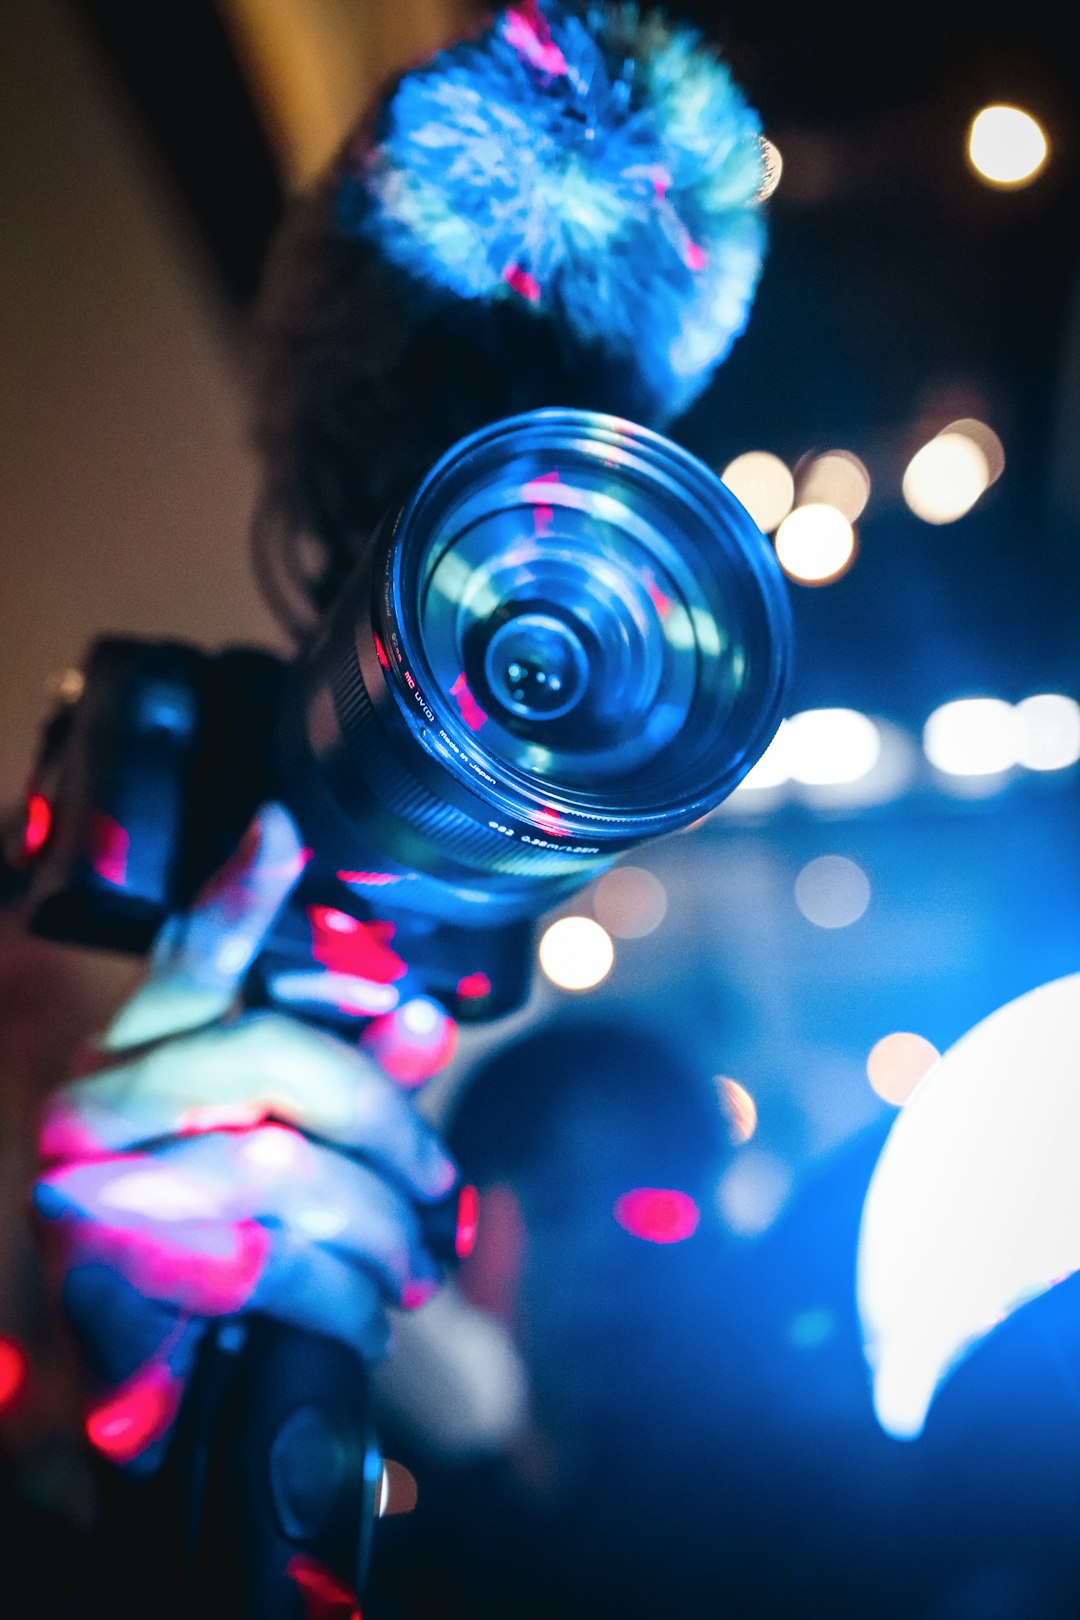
[
  {"x": 144, "y": 787},
  {"x": 570, "y": 639}
]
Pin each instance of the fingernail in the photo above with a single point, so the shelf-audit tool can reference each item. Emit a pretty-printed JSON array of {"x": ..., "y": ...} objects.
[{"x": 440, "y": 1174}]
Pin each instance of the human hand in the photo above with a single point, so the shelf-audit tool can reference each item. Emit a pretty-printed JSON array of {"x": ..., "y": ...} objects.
[{"x": 220, "y": 1161}]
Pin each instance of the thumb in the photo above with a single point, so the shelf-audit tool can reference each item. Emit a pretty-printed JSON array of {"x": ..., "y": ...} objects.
[{"x": 201, "y": 956}]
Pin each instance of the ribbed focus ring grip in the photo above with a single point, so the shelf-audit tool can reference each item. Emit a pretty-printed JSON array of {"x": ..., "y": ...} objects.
[{"x": 460, "y": 837}]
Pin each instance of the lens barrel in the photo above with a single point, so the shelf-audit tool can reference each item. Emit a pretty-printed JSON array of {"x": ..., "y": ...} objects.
[{"x": 570, "y": 639}]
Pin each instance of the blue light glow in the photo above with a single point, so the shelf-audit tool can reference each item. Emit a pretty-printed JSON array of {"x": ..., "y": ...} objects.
[{"x": 974, "y": 1206}]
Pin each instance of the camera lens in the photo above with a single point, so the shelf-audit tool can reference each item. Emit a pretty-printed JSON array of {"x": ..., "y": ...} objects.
[
  {"x": 536, "y": 666},
  {"x": 571, "y": 638}
]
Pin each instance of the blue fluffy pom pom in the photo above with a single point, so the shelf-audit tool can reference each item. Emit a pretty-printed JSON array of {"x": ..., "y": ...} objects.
[{"x": 592, "y": 162}]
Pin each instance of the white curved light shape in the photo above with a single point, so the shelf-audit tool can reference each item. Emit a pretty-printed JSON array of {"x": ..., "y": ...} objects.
[{"x": 974, "y": 1205}]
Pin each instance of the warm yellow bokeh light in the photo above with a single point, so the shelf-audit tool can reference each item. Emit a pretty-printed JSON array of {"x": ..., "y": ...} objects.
[
  {"x": 944, "y": 479},
  {"x": 815, "y": 544},
  {"x": 774, "y": 168},
  {"x": 835, "y": 478},
  {"x": 576, "y": 953},
  {"x": 630, "y": 902},
  {"x": 763, "y": 484},
  {"x": 1006, "y": 146},
  {"x": 897, "y": 1063},
  {"x": 969, "y": 427},
  {"x": 739, "y": 1108}
]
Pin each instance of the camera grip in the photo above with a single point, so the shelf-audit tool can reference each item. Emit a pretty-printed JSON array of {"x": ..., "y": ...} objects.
[
  {"x": 276, "y": 1474},
  {"x": 275, "y": 1471}
]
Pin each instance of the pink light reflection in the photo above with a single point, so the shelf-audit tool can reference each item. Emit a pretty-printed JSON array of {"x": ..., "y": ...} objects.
[
  {"x": 657, "y": 1214},
  {"x": 122, "y": 1426},
  {"x": 526, "y": 31},
  {"x": 110, "y": 845},
  {"x": 325, "y": 1597},
  {"x": 471, "y": 712}
]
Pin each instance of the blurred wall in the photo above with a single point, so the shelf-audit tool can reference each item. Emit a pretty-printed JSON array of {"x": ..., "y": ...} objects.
[{"x": 126, "y": 481}]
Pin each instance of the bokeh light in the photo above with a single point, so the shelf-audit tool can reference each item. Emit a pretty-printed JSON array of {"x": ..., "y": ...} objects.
[
  {"x": 774, "y": 168},
  {"x": 944, "y": 479},
  {"x": 830, "y": 746},
  {"x": 832, "y": 891},
  {"x": 752, "y": 1191},
  {"x": 738, "y": 1108},
  {"x": 985, "y": 439},
  {"x": 12, "y": 1371},
  {"x": 763, "y": 484},
  {"x": 630, "y": 902},
  {"x": 1006, "y": 146},
  {"x": 1049, "y": 732},
  {"x": 771, "y": 770},
  {"x": 835, "y": 478},
  {"x": 657, "y": 1214},
  {"x": 815, "y": 544},
  {"x": 973, "y": 737},
  {"x": 897, "y": 1063},
  {"x": 576, "y": 953}
]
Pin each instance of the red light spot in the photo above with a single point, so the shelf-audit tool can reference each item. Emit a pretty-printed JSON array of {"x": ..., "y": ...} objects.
[
  {"x": 471, "y": 712},
  {"x": 141, "y": 1412},
  {"x": 370, "y": 880},
  {"x": 408, "y": 1057},
  {"x": 468, "y": 1221},
  {"x": 694, "y": 257},
  {"x": 543, "y": 518},
  {"x": 380, "y": 653},
  {"x": 552, "y": 823},
  {"x": 12, "y": 1371},
  {"x": 521, "y": 281},
  {"x": 325, "y": 1597},
  {"x": 38, "y": 825},
  {"x": 473, "y": 986},
  {"x": 657, "y": 1214},
  {"x": 661, "y": 180},
  {"x": 361, "y": 949},
  {"x": 109, "y": 846}
]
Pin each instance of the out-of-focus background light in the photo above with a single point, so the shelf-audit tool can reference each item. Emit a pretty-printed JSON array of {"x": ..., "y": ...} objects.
[
  {"x": 1007, "y": 146},
  {"x": 943, "y": 480},
  {"x": 738, "y": 1108},
  {"x": 815, "y": 544},
  {"x": 764, "y": 485},
  {"x": 826, "y": 746},
  {"x": 985, "y": 439},
  {"x": 576, "y": 953},
  {"x": 897, "y": 1063},
  {"x": 772, "y": 769},
  {"x": 753, "y": 1191},
  {"x": 1049, "y": 732},
  {"x": 832, "y": 891},
  {"x": 630, "y": 902},
  {"x": 977, "y": 736},
  {"x": 774, "y": 168},
  {"x": 835, "y": 478}
]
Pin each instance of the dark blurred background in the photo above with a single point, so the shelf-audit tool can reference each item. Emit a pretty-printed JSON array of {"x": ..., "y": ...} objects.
[{"x": 146, "y": 155}]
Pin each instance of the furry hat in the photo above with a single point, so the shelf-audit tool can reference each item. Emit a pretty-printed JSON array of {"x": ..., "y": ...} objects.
[{"x": 561, "y": 210}]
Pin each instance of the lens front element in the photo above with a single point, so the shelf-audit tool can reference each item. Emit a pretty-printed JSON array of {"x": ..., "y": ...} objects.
[{"x": 597, "y": 629}]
